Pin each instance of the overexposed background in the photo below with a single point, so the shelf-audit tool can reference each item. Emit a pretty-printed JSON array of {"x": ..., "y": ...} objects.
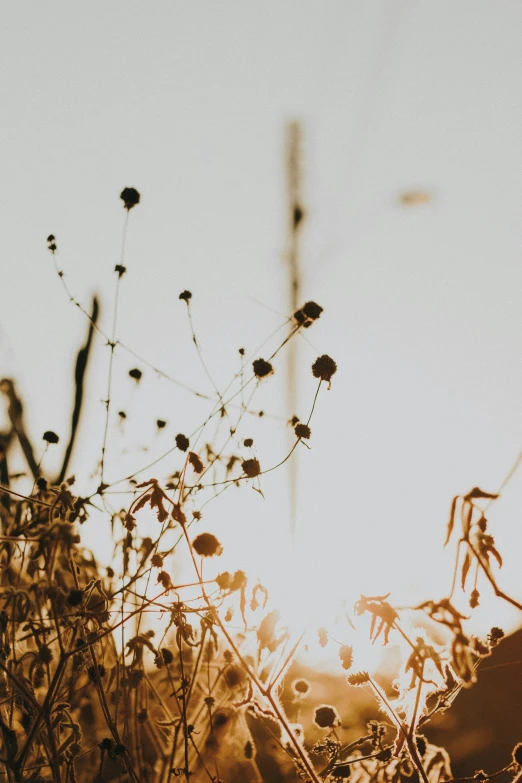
[{"x": 188, "y": 103}]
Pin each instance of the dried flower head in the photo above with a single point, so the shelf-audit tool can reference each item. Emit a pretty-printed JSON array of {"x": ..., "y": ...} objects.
[
  {"x": 185, "y": 296},
  {"x": 120, "y": 269},
  {"x": 161, "y": 423},
  {"x": 164, "y": 580},
  {"x": 248, "y": 443},
  {"x": 234, "y": 676},
  {"x": 207, "y": 545},
  {"x": 312, "y": 310},
  {"x": 262, "y": 368},
  {"x": 307, "y": 314},
  {"x": 251, "y": 467},
  {"x": 50, "y": 437},
  {"x": 182, "y": 442},
  {"x": 135, "y": 374},
  {"x": 324, "y": 367},
  {"x": 495, "y": 636},
  {"x": 299, "y": 317},
  {"x": 302, "y": 430},
  {"x": 326, "y": 717},
  {"x": 45, "y": 654},
  {"x": 301, "y": 687},
  {"x": 130, "y": 197},
  {"x": 51, "y": 243}
]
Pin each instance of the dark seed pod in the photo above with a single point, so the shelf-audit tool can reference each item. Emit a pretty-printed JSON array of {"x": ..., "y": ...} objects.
[
  {"x": 262, "y": 368},
  {"x": 324, "y": 367},
  {"x": 182, "y": 442},
  {"x": 326, "y": 717},
  {"x": 130, "y": 197}
]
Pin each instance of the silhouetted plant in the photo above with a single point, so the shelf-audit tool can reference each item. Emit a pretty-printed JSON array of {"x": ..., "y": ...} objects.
[{"x": 89, "y": 692}]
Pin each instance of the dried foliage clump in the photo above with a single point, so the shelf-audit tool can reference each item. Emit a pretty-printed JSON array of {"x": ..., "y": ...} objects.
[{"x": 91, "y": 692}]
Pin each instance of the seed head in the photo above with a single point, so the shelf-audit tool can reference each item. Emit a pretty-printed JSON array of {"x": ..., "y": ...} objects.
[
  {"x": 182, "y": 442},
  {"x": 495, "y": 636},
  {"x": 207, "y": 545},
  {"x": 234, "y": 676},
  {"x": 251, "y": 467},
  {"x": 161, "y": 423},
  {"x": 312, "y": 310},
  {"x": 262, "y": 368},
  {"x": 326, "y": 717},
  {"x": 45, "y": 654},
  {"x": 324, "y": 367},
  {"x": 301, "y": 687},
  {"x": 186, "y": 296},
  {"x": 299, "y": 317},
  {"x": 135, "y": 374},
  {"x": 130, "y": 197},
  {"x": 302, "y": 430},
  {"x": 50, "y": 437},
  {"x": 248, "y": 443}
]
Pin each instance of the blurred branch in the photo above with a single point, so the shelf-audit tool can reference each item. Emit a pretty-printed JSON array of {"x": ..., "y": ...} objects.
[
  {"x": 296, "y": 216},
  {"x": 15, "y": 413},
  {"x": 79, "y": 379}
]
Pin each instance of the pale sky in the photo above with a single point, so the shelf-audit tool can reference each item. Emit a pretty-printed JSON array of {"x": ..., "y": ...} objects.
[{"x": 422, "y": 305}]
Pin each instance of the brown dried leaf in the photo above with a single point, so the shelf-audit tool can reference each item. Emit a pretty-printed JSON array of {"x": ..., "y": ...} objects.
[
  {"x": 451, "y": 521},
  {"x": 465, "y": 570}
]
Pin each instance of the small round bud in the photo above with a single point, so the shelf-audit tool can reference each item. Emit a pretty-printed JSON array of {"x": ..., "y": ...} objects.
[
  {"x": 326, "y": 717},
  {"x": 302, "y": 430},
  {"x": 301, "y": 687},
  {"x": 207, "y": 545},
  {"x": 130, "y": 197},
  {"x": 182, "y": 442},
  {"x": 324, "y": 367},
  {"x": 262, "y": 368}
]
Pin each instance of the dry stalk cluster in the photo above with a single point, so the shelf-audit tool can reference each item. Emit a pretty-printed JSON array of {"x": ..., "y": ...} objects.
[{"x": 89, "y": 691}]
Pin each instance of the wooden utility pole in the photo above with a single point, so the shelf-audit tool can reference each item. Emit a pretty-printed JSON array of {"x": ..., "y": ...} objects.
[{"x": 295, "y": 220}]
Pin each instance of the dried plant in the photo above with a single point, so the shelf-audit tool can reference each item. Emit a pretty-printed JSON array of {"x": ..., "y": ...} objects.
[{"x": 89, "y": 691}]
